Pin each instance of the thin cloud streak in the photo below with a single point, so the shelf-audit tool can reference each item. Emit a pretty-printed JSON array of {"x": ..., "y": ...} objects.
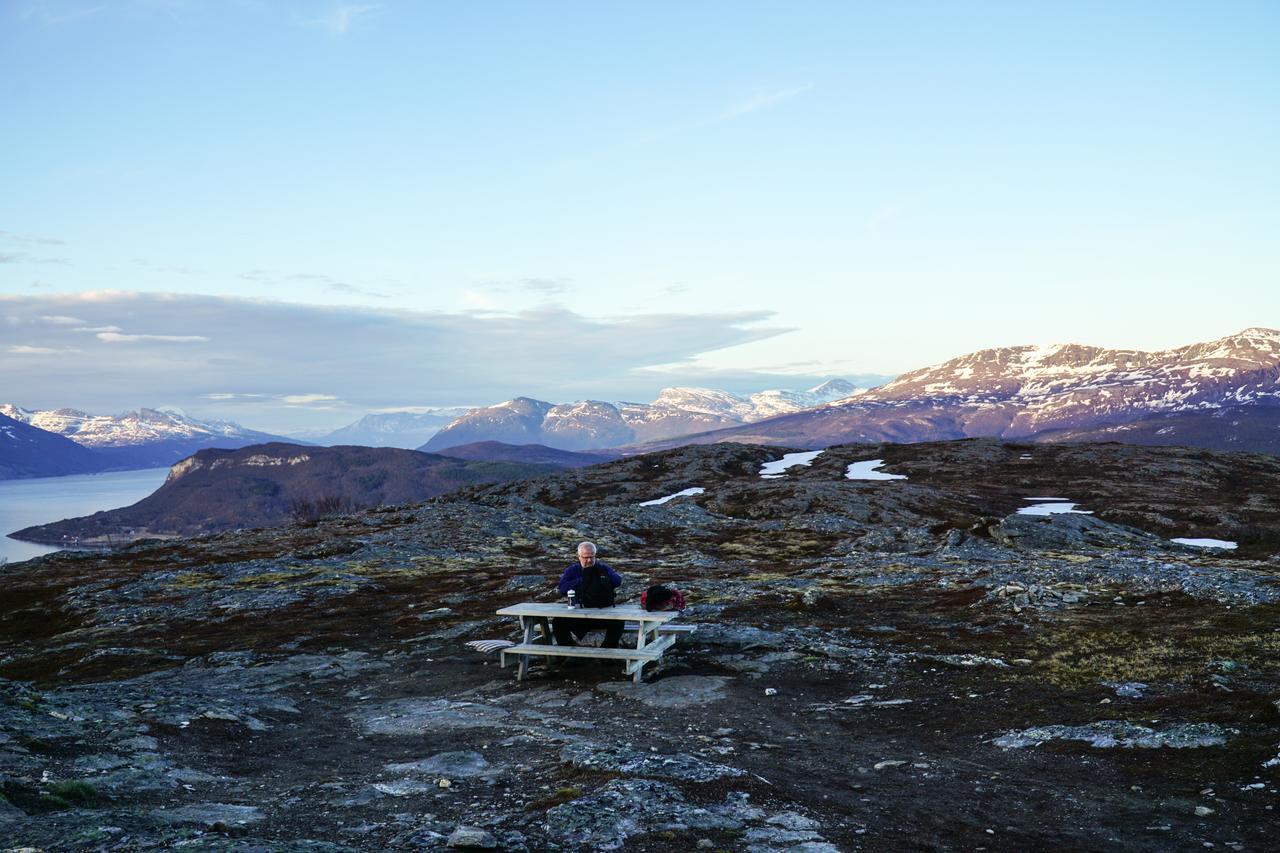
[
  {"x": 761, "y": 102},
  {"x": 118, "y": 338},
  {"x": 340, "y": 19},
  {"x": 735, "y": 111}
]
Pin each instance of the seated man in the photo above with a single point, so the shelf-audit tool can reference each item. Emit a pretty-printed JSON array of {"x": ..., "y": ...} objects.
[{"x": 594, "y": 583}]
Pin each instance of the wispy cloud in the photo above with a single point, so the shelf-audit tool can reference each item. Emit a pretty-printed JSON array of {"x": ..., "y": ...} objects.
[
  {"x": 117, "y": 338},
  {"x": 760, "y": 102},
  {"x": 339, "y": 20},
  {"x": 27, "y": 258},
  {"x": 733, "y": 111},
  {"x": 58, "y": 14},
  {"x": 499, "y": 294},
  {"x": 307, "y": 399},
  {"x": 61, "y": 320},
  {"x": 30, "y": 239},
  {"x": 25, "y": 349},
  {"x": 328, "y": 282}
]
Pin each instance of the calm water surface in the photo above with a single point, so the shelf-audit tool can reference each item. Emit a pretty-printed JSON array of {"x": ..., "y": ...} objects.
[{"x": 45, "y": 499}]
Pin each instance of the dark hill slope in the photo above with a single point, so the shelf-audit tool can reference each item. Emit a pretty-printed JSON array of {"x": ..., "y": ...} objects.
[
  {"x": 269, "y": 484},
  {"x": 1252, "y": 429},
  {"x": 529, "y": 454},
  {"x": 27, "y": 451}
]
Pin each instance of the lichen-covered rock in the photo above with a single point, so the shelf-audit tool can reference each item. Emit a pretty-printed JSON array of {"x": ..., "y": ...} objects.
[
  {"x": 620, "y": 759},
  {"x": 1107, "y": 734}
]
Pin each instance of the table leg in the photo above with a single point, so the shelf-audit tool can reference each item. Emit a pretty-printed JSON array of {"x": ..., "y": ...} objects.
[
  {"x": 523, "y": 669},
  {"x": 640, "y": 644}
]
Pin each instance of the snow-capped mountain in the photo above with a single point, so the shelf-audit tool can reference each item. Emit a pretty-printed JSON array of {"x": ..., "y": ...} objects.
[
  {"x": 590, "y": 424},
  {"x": 754, "y": 407},
  {"x": 1069, "y": 385},
  {"x": 1023, "y": 391},
  {"x": 145, "y": 438},
  {"x": 140, "y": 427},
  {"x": 27, "y": 451},
  {"x": 392, "y": 429}
]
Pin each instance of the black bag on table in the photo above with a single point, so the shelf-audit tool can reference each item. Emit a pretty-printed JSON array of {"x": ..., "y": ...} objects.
[{"x": 595, "y": 590}]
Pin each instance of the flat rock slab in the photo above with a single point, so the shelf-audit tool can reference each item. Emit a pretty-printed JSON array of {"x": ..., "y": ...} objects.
[
  {"x": 472, "y": 838},
  {"x": 451, "y": 765},
  {"x": 605, "y": 818},
  {"x": 620, "y": 759},
  {"x": 680, "y": 691},
  {"x": 211, "y": 815},
  {"x": 417, "y": 716}
]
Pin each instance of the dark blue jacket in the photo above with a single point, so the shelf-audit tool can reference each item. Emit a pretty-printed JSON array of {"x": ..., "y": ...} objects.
[{"x": 573, "y": 576}]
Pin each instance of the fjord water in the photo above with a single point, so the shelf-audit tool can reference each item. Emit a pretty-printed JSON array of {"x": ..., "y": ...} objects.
[{"x": 45, "y": 499}]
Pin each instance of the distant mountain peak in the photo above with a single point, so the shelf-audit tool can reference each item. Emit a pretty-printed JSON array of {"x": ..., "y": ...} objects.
[
  {"x": 833, "y": 388},
  {"x": 592, "y": 424}
]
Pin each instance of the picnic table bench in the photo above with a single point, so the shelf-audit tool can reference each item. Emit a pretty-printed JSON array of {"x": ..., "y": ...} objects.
[{"x": 653, "y": 635}]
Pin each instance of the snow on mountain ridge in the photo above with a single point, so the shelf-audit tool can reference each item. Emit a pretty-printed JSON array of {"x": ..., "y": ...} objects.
[
  {"x": 586, "y": 424},
  {"x": 131, "y": 428}
]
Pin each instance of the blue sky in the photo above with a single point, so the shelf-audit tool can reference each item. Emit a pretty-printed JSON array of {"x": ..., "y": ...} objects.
[{"x": 734, "y": 194}]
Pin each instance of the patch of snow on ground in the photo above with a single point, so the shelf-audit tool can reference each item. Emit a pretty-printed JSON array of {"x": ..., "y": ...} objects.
[
  {"x": 1206, "y": 543},
  {"x": 1043, "y": 500},
  {"x": 866, "y": 470},
  {"x": 696, "y": 490},
  {"x": 1052, "y": 509},
  {"x": 775, "y": 469}
]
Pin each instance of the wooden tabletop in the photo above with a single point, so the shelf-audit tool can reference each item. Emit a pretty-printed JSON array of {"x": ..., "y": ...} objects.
[{"x": 621, "y": 611}]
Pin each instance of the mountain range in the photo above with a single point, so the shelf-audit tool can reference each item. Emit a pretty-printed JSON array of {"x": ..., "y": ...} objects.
[
  {"x": 590, "y": 424},
  {"x": 27, "y": 451},
  {"x": 1223, "y": 393},
  {"x": 393, "y": 429},
  {"x": 147, "y": 438}
]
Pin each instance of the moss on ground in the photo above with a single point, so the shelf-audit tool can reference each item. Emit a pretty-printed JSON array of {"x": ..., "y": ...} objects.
[{"x": 1178, "y": 649}]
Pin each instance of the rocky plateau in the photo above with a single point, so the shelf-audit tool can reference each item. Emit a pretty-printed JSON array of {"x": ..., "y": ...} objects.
[{"x": 879, "y": 664}]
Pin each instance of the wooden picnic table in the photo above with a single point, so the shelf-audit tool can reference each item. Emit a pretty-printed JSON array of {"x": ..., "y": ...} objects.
[{"x": 653, "y": 635}]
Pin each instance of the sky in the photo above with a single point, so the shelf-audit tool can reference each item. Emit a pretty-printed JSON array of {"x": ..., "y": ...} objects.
[{"x": 290, "y": 214}]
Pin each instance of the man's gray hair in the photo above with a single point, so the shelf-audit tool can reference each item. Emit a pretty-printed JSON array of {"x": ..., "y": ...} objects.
[{"x": 587, "y": 546}]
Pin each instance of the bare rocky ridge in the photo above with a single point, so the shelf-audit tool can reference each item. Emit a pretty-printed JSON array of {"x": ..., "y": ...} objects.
[
  {"x": 880, "y": 665},
  {"x": 533, "y": 454}
]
